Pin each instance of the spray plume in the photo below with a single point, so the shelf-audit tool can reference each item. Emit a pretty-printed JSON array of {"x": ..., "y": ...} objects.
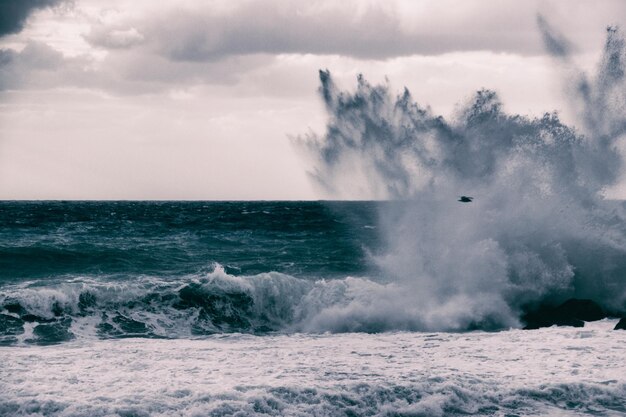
[{"x": 539, "y": 229}]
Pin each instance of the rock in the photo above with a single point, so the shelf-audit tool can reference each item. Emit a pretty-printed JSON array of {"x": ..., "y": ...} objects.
[
  {"x": 621, "y": 325},
  {"x": 573, "y": 312},
  {"x": 585, "y": 310}
]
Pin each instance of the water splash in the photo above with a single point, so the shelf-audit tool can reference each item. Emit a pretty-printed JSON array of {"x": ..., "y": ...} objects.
[{"x": 539, "y": 229}]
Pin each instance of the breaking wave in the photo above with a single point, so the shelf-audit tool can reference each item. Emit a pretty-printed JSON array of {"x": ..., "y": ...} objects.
[
  {"x": 539, "y": 229},
  {"x": 203, "y": 305}
]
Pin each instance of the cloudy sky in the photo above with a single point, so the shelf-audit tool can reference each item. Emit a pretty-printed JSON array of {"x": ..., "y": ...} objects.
[{"x": 138, "y": 99}]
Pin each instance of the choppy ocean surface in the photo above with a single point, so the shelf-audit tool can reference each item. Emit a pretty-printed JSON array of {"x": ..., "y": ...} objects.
[
  {"x": 177, "y": 269},
  {"x": 258, "y": 308}
]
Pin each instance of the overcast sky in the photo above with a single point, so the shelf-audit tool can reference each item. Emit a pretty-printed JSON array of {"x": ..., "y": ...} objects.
[{"x": 138, "y": 99}]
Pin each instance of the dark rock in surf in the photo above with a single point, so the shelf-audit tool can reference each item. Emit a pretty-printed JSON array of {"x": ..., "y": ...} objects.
[
  {"x": 586, "y": 310},
  {"x": 573, "y": 312},
  {"x": 537, "y": 323},
  {"x": 621, "y": 325}
]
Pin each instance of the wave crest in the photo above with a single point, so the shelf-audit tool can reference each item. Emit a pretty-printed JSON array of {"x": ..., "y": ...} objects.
[{"x": 223, "y": 303}]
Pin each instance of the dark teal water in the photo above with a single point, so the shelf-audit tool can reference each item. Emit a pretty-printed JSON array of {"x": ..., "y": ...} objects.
[
  {"x": 40, "y": 240},
  {"x": 116, "y": 263}
]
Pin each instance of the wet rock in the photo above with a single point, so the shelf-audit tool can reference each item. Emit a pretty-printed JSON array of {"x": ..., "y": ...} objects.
[
  {"x": 586, "y": 310},
  {"x": 573, "y": 312},
  {"x": 621, "y": 325}
]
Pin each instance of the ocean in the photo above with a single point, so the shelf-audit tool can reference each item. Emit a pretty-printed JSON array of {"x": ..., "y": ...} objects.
[
  {"x": 173, "y": 269},
  {"x": 262, "y": 308},
  {"x": 411, "y": 304}
]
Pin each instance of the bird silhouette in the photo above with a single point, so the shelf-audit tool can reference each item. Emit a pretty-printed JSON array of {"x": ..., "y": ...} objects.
[{"x": 465, "y": 199}]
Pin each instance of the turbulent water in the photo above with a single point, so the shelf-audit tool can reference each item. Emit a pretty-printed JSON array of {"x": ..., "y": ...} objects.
[
  {"x": 249, "y": 308},
  {"x": 548, "y": 372},
  {"x": 539, "y": 229},
  {"x": 246, "y": 308},
  {"x": 342, "y": 308},
  {"x": 180, "y": 269}
]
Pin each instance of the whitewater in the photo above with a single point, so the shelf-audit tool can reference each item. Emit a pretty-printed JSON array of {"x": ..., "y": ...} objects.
[
  {"x": 406, "y": 302},
  {"x": 556, "y": 371}
]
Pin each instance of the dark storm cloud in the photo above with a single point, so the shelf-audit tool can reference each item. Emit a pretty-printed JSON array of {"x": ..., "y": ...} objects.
[
  {"x": 223, "y": 43},
  {"x": 37, "y": 65},
  {"x": 13, "y": 13},
  {"x": 373, "y": 33},
  {"x": 40, "y": 66}
]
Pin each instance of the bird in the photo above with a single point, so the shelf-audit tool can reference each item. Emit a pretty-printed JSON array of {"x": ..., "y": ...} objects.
[{"x": 465, "y": 199}]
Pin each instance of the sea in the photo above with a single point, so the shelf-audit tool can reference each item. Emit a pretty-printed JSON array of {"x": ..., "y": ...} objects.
[
  {"x": 138, "y": 309},
  {"x": 411, "y": 304}
]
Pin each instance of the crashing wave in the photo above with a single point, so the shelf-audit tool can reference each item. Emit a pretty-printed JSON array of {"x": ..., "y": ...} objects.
[
  {"x": 539, "y": 229},
  {"x": 217, "y": 303}
]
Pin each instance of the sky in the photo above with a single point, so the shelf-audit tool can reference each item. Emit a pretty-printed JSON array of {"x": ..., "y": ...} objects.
[{"x": 202, "y": 100}]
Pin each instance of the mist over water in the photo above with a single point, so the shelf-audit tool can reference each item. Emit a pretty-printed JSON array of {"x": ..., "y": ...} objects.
[{"x": 539, "y": 229}]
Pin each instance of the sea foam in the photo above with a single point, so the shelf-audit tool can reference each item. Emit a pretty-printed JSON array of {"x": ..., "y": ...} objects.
[
  {"x": 563, "y": 371},
  {"x": 539, "y": 229}
]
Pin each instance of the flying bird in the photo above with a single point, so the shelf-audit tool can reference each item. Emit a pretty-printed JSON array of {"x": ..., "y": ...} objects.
[{"x": 465, "y": 199}]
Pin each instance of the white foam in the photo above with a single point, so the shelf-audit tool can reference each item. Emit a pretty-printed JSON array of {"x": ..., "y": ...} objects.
[{"x": 556, "y": 371}]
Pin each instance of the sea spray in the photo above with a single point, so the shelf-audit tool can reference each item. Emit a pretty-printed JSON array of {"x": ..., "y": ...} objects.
[{"x": 539, "y": 229}]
